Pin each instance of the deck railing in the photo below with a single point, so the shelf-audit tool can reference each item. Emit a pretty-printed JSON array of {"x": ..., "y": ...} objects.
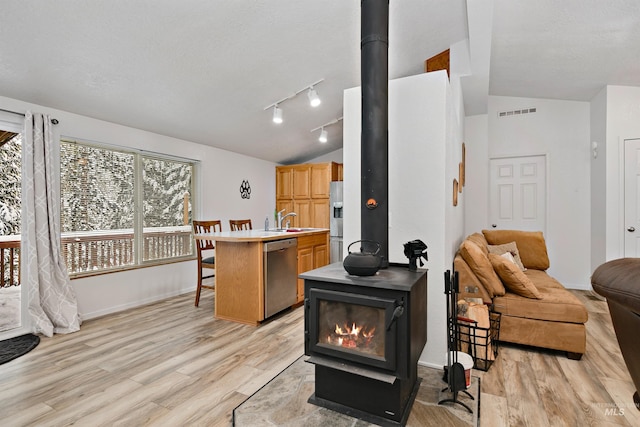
[
  {"x": 9, "y": 261},
  {"x": 93, "y": 251}
]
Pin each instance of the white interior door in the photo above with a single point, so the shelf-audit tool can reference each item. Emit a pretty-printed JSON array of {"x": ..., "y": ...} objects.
[
  {"x": 632, "y": 198},
  {"x": 518, "y": 193}
]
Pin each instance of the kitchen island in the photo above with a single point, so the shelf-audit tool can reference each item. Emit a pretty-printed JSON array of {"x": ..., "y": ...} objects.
[{"x": 240, "y": 268}]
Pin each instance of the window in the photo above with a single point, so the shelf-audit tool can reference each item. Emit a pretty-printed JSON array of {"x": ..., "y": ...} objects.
[
  {"x": 11, "y": 293},
  {"x": 122, "y": 208},
  {"x": 10, "y": 188}
]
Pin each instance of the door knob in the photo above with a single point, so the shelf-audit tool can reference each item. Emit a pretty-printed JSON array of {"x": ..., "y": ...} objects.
[
  {"x": 631, "y": 229},
  {"x": 494, "y": 225}
]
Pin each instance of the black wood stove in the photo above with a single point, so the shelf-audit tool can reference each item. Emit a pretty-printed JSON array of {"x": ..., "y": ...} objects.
[{"x": 365, "y": 335}]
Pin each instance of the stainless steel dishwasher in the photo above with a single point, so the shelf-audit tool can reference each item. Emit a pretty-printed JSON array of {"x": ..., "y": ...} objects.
[{"x": 280, "y": 275}]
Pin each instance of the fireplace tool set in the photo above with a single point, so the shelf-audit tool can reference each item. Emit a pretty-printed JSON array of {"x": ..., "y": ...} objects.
[{"x": 455, "y": 375}]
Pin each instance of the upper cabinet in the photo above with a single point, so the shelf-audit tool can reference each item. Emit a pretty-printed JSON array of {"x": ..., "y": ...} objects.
[
  {"x": 301, "y": 181},
  {"x": 321, "y": 176},
  {"x": 305, "y": 189},
  {"x": 284, "y": 182}
]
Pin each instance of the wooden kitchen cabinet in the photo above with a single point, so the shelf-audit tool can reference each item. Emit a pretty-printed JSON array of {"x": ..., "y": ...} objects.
[
  {"x": 313, "y": 252},
  {"x": 305, "y": 263},
  {"x": 287, "y": 205},
  {"x": 302, "y": 182},
  {"x": 320, "y": 213},
  {"x": 303, "y": 217},
  {"x": 320, "y": 255},
  {"x": 304, "y": 189},
  {"x": 284, "y": 182},
  {"x": 321, "y": 176},
  {"x": 241, "y": 283}
]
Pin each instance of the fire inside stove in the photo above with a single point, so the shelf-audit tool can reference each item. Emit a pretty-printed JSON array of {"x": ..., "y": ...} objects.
[{"x": 351, "y": 326}]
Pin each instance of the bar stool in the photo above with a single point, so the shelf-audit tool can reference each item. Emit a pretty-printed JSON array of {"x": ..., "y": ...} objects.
[
  {"x": 240, "y": 224},
  {"x": 201, "y": 227}
]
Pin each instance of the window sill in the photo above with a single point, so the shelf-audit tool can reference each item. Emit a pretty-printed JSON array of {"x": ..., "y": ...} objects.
[{"x": 147, "y": 264}]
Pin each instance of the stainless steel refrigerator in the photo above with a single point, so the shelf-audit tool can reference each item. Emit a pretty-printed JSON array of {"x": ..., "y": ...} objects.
[{"x": 335, "y": 224}]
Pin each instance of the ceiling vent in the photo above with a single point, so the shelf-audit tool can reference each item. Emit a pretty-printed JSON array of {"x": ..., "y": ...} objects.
[{"x": 517, "y": 112}]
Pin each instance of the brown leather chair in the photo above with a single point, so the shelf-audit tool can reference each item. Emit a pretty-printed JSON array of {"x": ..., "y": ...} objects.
[
  {"x": 619, "y": 282},
  {"x": 200, "y": 227},
  {"x": 240, "y": 224}
]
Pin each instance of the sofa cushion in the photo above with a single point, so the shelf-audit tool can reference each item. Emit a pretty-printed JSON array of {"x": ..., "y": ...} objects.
[
  {"x": 468, "y": 283},
  {"x": 510, "y": 248},
  {"x": 557, "y": 304},
  {"x": 478, "y": 239},
  {"x": 531, "y": 245},
  {"x": 513, "y": 278},
  {"x": 482, "y": 268}
]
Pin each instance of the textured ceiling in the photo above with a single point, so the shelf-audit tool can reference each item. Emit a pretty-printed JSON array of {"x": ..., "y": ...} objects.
[
  {"x": 203, "y": 70},
  {"x": 567, "y": 49}
]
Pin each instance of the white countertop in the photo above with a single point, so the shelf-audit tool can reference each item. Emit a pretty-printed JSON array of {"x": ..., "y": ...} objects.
[{"x": 259, "y": 235}]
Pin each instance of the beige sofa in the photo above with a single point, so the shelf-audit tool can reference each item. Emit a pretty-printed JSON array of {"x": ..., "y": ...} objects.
[{"x": 536, "y": 309}]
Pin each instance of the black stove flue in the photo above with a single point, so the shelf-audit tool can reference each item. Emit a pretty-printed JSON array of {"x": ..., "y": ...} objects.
[{"x": 374, "y": 149}]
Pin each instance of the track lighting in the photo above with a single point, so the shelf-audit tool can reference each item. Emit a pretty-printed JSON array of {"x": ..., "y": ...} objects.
[
  {"x": 277, "y": 114},
  {"x": 314, "y": 99},
  {"x": 323, "y": 136},
  {"x": 323, "y": 132}
]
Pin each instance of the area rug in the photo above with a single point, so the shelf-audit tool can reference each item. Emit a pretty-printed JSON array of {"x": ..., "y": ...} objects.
[
  {"x": 283, "y": 402},
  {"x": 17, "y": 346}
]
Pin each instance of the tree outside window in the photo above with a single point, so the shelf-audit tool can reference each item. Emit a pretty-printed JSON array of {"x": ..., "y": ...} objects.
[{"x": 120, "y": 209}]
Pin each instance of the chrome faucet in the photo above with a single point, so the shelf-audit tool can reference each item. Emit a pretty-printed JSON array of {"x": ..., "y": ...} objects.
[{"x": 281, "y": 217}]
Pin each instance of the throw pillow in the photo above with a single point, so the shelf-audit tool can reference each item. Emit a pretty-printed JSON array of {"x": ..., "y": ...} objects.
[
  {"x": 507, "y": 248},
  {"x": 514, "y": 279},
  {"x": 482, "y": 268},
  {"x": 533, "y": 249},
  {"x": 508, "y": 257},
  {"x": 478, "y": 239}
]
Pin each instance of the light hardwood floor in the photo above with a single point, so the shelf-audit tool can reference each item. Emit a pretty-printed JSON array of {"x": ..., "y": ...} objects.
[
  {"x": 172, "y": 364},
  {"x": 536, "y": 387}
]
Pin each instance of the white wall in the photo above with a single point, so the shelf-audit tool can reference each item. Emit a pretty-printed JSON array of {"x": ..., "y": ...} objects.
[
  {"x": 334, "y": 156},
  {"x": 598, "y": 179},
  {"x": 623, "y": 111},
  {"x": 560, "y": 130},
  {"x": 220, "y": 175},
  {"x": 476, "y": 208},
  {"x": 424, "y": 151}
]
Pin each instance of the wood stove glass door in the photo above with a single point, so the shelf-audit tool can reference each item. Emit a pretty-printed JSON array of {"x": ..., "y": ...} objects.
[{"x": 353, "y": 327}]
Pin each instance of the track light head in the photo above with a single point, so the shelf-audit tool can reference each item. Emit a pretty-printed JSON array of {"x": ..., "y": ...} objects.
[
  {"x": 277, "y": 115},
  {"x": 314, "y": 99},
  {"x": 323, "y": 136}
]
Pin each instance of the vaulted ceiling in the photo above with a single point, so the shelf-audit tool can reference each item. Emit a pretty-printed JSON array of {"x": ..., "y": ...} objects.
[{"x": 204, "y": 70}]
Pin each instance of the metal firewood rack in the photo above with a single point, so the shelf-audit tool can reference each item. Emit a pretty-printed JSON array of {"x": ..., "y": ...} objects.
[{"x": 481, "y": 343}]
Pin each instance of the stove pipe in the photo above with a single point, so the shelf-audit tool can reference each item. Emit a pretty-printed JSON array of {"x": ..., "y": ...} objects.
[{"x": 374, "y": 149}]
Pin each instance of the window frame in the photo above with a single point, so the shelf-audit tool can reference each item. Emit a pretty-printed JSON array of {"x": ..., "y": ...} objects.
[{"x": 138, "y": 223}]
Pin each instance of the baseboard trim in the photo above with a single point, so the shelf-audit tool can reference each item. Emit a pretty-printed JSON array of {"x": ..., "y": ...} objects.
[{"x": 133, "y": 304}]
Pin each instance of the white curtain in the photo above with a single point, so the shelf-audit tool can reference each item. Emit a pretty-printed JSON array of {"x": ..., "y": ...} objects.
[{"x": 52, "y": 301}]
